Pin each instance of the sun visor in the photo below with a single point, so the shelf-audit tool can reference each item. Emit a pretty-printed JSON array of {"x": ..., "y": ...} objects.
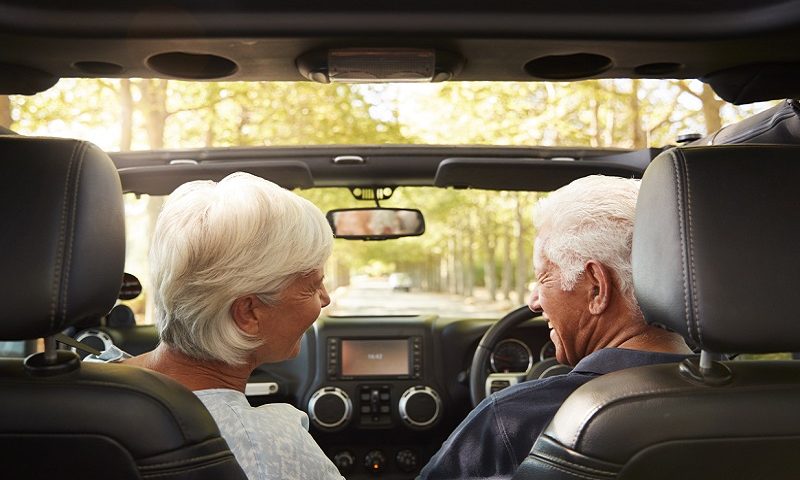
[
  {"x": 162, "y": 180},
  {"x": 538, "y": 174},
  {"x": 22, "y": 80},
  {"x": 756, "y": 82}
]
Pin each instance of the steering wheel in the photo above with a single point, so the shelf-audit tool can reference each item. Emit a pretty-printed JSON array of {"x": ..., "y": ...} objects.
[
  {"x": 478, "y": 380},
  {"x": 477, "y": 372}
]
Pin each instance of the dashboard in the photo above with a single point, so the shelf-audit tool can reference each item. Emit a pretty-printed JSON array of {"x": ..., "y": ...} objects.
[{"x": 382, "y": 393}]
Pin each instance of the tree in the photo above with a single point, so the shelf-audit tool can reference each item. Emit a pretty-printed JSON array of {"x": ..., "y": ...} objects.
[
  {"x": 710, "y": 102},
  {"x": 5, "y": 111}
]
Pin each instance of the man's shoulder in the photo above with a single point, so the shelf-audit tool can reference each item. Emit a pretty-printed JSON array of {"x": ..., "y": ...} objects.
[{"x": 555, "y": 388}]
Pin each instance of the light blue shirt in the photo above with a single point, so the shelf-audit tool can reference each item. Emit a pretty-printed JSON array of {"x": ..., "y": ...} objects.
[{"x": 270, "y": 442}]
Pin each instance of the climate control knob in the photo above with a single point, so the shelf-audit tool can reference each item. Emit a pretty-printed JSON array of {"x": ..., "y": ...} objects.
[
  {"x": 420, "y": 406},
  {"x": 406, "y": 460},
  {"x": 375, "y": 461},
  {"x": 344, "y": 461},
  {"x": 330, "y": 407}
]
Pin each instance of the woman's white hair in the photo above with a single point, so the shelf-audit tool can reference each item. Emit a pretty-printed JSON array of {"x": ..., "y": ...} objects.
[
  {"x": 215, "y": 242},
  {"x": 591, "y": 218}
]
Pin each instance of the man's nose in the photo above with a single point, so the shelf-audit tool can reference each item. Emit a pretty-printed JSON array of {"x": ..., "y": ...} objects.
[{"x": 533, "y": 301}]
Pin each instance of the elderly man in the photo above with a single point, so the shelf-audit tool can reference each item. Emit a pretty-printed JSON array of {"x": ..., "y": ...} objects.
[{"x": 585, "y": 290}]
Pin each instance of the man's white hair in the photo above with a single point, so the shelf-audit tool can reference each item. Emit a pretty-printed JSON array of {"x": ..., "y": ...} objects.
[
  {"x": 215, "y": 242},
  {"x": 591, "y": 218}
]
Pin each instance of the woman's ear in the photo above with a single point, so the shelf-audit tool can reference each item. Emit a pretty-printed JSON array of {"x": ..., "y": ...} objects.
[
  {"x": 245, "y": 314},
  {"x": 600, "y": 279}
]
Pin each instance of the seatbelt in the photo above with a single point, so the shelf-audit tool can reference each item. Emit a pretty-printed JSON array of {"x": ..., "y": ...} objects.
[
  {"x": 112, "y": 354},
  {"x": 67, "y": 340}
]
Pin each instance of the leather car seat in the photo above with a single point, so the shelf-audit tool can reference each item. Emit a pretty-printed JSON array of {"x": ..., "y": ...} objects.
[
  {"x": 62, "y": 252},
  {"x": 715, "y": 257}
]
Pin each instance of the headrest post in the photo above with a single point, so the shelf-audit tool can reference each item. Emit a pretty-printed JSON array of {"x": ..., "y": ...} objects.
[
  {"x": 708, "y": 370},
  {"x": 50, "y": 350},
  {"x": 707, "y": 360}
]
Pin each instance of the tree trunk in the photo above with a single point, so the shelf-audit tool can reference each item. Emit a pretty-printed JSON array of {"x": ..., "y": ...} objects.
[
  {"x": 637, "y": 132},
  {"x": 5, "y": 111},
  {"x": 522, "y": 264},
  {"x": 154, "y": 107},
  {"x": 126, "y": 115},
  {"x": 711, "y": 108},
  {"x": 458, "y": 267},
  {"x": 212, "y": 98},
  {"x": 452, "y": 281},
  {"x": 597, "y": 140},
  {"x": 444, "y": 280},
  {"x": 489, "y": 273},
  {"x": 508, "y": 267},
  {"x": 469, "y": 260},
  {"x": 6, "y": 119}
]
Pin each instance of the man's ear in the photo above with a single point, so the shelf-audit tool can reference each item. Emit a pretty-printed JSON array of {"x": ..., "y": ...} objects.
[
  {"x": 600, "y": 280},
  {"x": 244, "y": 314}
]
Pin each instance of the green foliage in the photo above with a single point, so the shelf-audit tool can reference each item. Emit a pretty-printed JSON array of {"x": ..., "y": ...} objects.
[{"x": 469, "y": 232}]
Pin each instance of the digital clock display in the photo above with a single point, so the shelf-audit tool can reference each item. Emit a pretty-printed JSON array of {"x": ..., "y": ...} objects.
[{"x": 374, "y": 358}]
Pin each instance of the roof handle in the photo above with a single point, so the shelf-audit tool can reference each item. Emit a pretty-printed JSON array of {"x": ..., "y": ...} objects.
[{"x": 349, "y": 160}]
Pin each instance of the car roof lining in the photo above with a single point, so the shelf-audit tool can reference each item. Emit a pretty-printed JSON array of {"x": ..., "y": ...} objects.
[{"x": 720, "y": 41}]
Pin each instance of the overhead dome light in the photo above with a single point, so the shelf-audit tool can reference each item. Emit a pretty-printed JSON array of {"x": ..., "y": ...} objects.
[{"x": 379, "y": 65}]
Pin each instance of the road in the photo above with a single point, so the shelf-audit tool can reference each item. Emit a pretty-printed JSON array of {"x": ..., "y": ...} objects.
[{"x": 376, "y": 297}]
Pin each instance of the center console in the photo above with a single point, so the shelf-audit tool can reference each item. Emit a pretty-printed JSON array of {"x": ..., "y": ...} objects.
[{"x": 376, "y": 408}]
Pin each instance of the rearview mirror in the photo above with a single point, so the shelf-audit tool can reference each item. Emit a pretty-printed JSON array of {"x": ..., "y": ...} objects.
[{"x": 376, "y": 223}]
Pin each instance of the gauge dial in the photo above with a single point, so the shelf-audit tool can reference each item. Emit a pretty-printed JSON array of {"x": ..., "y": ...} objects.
[
  {"x": 548, "y": 351},
  {"x": 511, "y": 355}
]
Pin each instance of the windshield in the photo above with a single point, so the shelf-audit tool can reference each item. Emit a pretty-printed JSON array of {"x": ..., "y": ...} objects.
[{"x": 474, "y": 258}]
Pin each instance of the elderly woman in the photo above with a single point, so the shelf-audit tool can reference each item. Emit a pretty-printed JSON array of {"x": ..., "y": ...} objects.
[{"x": 237, "y": 271}]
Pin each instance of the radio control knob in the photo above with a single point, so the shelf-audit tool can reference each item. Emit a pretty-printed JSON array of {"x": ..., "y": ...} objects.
[
  {"x": 330, "y": 407},
  {"x": 420, "y": 406}
]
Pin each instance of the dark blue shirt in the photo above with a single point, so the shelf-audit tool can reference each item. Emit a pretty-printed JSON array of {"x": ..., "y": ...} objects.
[{"x": 498, "y": 434}]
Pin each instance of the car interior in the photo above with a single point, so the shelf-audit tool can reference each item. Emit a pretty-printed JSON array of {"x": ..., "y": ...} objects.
[{"x": 383, "y": 376}]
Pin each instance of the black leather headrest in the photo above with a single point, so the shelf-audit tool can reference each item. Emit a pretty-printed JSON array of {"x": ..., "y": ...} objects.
[
  {"x": 62, "y": 249},
  {"x": 715, "y": 246}
]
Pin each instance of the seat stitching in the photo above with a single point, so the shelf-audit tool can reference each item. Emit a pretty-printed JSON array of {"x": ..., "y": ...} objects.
[
  {"x": 224, "y": 454},
  {"x": 199, "y": 467},
  {"x": 68, "y": 261},
  {"x": 563, "y": 470},
  {"x": 693, "y": 275},
  {"x": 572, "y": 464},
  {"x": 60, "y": 245},
  {"x": 679, "y": 197}
]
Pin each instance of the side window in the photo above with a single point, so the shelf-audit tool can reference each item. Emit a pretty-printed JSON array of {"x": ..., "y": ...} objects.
[{"x": 765, "y": 356}]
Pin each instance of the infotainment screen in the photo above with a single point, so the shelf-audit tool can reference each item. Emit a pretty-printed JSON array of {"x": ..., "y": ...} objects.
[{"x": 374, "y": 358}]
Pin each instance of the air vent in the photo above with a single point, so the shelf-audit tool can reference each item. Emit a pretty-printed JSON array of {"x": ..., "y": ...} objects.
[
  {"x": 193, "y": 66},
  {"x": 568, "y": 67}
]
